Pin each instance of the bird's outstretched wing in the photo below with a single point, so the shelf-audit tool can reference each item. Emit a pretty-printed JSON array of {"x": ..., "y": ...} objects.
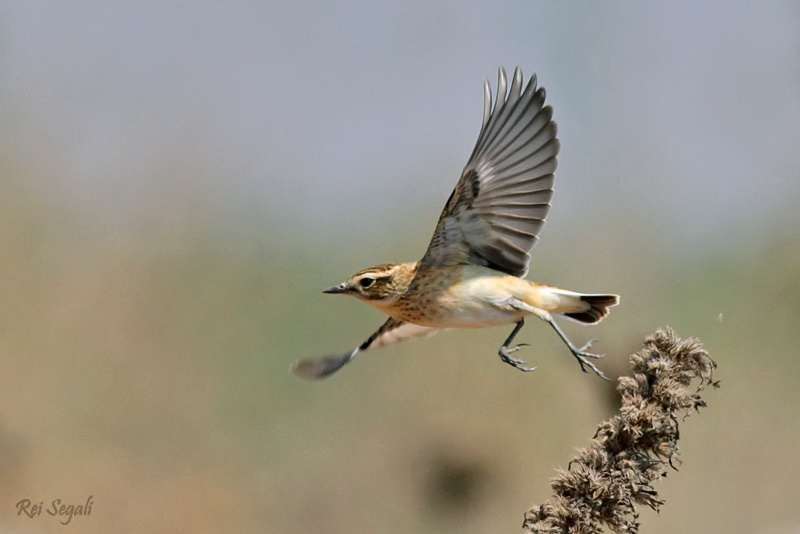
[
  {"x": 500, "y": 203},
  {"x": 392, "y": 331}
]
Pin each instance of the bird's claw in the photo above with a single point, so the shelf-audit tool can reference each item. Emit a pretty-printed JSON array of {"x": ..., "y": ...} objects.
[
  {"x": 586, "y": 346},
  {"x": 511, "y": 350},
  {"x": 505, "y": 355},
  {"x": 581, "y": 356}
]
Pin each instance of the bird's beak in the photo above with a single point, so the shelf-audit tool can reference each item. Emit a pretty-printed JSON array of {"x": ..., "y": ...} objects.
[{"x": 341, "y": 288}]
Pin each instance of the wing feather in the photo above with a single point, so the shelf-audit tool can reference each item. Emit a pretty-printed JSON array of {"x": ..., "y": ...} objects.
[
  {"x": 395, "y": 331},
  {"x": 390, "y": 332},
  {"x": 499, "y": 205}
]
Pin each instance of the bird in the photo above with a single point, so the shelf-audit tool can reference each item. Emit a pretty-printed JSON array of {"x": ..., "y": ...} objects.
[{"x": 472, "y": 274}]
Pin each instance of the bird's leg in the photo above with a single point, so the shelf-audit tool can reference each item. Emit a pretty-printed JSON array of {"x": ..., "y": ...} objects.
[
  {"x": 506, "y": 351},
  {"x": 580, "y": 354}
]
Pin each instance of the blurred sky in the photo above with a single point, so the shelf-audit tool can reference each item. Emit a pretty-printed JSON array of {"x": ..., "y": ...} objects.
[{"x": 323, "y": 112}]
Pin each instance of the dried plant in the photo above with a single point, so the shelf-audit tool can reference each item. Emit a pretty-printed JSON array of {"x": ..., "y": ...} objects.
[{"x": 633, "y": 449}]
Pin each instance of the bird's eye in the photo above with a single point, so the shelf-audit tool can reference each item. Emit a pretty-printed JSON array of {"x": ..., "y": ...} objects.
[{"x": 366, "y": 282}]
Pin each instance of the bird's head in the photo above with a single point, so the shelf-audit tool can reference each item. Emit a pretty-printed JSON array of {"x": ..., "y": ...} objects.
[{"x": 379, "y": 286}]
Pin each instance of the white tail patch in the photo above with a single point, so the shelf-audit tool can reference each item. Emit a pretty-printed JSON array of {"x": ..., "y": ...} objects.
[
  {"x": 579, "y": 307},
  {"x": 557, "y": 300}
]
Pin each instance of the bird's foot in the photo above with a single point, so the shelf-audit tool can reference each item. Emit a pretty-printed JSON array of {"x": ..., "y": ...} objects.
[
  {"x": 506, "y": 352},
  {"x": 581, "y": 355}
]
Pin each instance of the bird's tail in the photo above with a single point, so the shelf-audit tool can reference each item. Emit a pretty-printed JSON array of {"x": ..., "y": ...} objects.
[{"x": 598, "y": 306}]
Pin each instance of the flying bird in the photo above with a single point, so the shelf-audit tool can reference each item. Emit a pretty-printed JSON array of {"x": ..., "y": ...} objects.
[{"x": 473, "y": 272}]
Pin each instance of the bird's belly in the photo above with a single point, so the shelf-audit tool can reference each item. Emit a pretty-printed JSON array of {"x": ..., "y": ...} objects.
[
  {"x": 472, "y": 302},
  {"x": 477, "y": 317}
]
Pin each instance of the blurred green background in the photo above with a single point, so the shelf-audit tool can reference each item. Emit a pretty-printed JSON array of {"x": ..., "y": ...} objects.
[{"x": 178, "y": 183}]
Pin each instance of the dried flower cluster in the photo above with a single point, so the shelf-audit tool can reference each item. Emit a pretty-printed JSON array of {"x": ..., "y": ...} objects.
[{"x": 630, "y": 451}]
